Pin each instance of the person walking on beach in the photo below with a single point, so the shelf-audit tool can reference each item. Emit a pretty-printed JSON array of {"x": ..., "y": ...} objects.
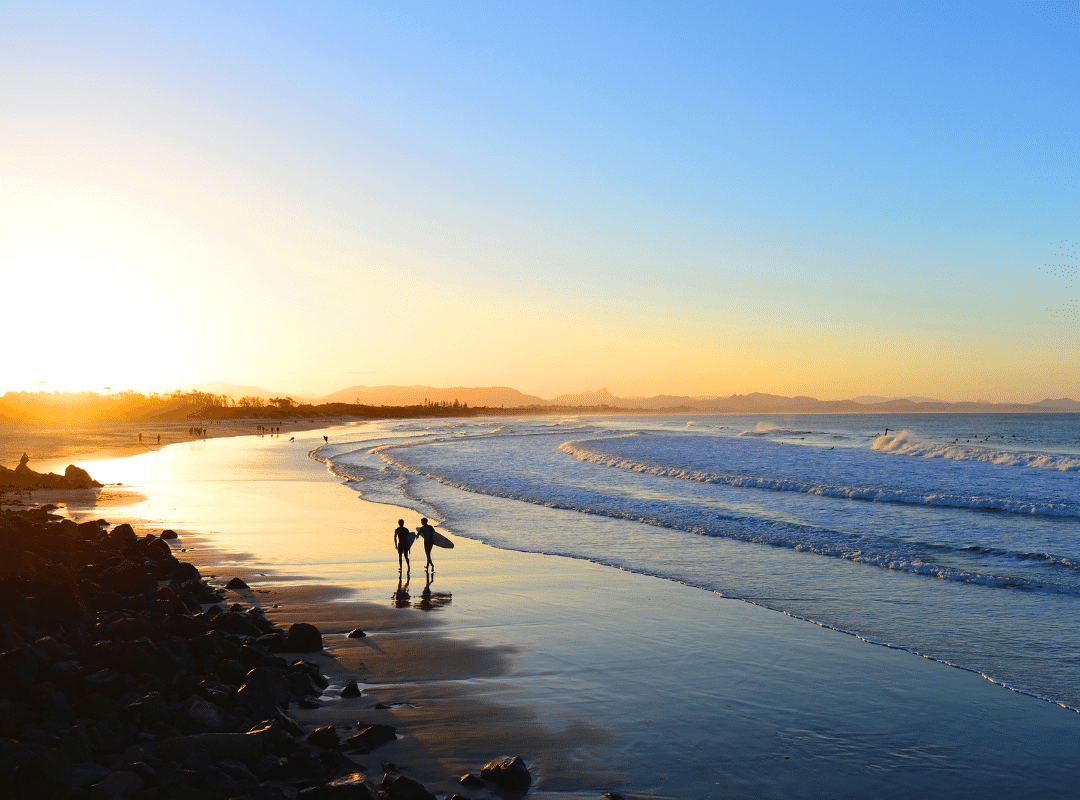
[
  {"x": 403, "y": 541},
  {"x": 428, "y": 533}
]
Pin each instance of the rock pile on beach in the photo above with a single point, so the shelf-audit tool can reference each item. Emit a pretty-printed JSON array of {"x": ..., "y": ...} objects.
[
  {"x": 123, "y": 674},
  {"x": 22, "y": 477}
]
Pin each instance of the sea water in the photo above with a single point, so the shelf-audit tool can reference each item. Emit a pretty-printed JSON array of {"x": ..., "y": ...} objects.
[{"x": 953, "y": 536}]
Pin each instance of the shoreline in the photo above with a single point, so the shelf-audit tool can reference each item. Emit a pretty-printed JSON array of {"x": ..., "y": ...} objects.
[{"x": 778, "y": 677}]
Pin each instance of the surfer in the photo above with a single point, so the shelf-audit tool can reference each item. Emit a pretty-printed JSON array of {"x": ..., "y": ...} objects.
[
  {"x": 403, "y": 541},
  {"x": 428, "y": 533}
]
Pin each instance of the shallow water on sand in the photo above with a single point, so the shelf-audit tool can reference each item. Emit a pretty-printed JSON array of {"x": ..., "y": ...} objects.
[
  {"x": 957, "y": 537},
  {"x": 680, "y": 692}
]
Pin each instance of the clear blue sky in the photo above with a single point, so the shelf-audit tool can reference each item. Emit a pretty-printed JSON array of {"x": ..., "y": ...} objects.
[{"x": 830, "y": 199}]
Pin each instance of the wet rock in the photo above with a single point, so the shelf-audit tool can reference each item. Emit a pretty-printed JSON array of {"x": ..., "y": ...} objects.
[
  {"x": 81, "y": 477},
  {"x": 87, "y": 774},
  {"x": 325, "y": 737},
  {"x": 468, "y": 779},
  {"x": 32, "y": 771},
  {"x": 246, "y": 747},
  {"x": 508, "y": 773},
  {"x": 168, "y": 534},
  {"x": 237, "y": 585},
  {"x": 371, "y": 738},
  {"x": 206, "y": 715},
  {"x": 350, "y": 690},
  {"x": 354, "y": 786},
  {"x": 402, "y": 788},
  {"x": 303, "y": 638},
  {"x": 265, "y": 689},
  {"x": 120, "y": 784},
  {"x": 356, "y": 633},
  {"x": 271, "y": 790}
]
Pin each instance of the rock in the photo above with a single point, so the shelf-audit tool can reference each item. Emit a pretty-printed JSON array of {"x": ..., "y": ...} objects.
[
  {"x": 123, "y": 535},
  {"x": 468, "y": 779},
  {"x": 32, "y": 771},
  {"x": 265, "y": 689},
  {"x": 237, "y": 770},
  {"x": 81, "y": 477},
  {"x": 402, "y": 788},
  {"x": 246, "y": 747},
  {"x": 237, "y": 585},
  {"x": 356, "y": 633},
  {"x": 87, "y": 774},
  {"x": 371, "y": 738},
  {"x": 325, "y": 737},
  {"x": 508, "y": 773},
  {"x": 271, "y": 766},
  {"x": 303, "y": 638},
  {"x": 168, "y": 534},
  {"x": 271, "y": 790},
  {"x": 301, "y": 685},
  {"x": 119, "y": 784},
  {"x": 355, "y": 786},
  {"x": 613, "y": 796},
  {"x": 308, "y": 703},
  {"x": 350, "y": 690},
  {"x": 209, "y": 716}
]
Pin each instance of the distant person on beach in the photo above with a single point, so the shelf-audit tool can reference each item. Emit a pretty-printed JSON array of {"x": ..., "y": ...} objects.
[
  {"x": 326, "y": 438},
  {"x": 159, "y": 438},
  {"x": 140, "y": 438},
  {"x": 402, "y": 541},
  {"x": 428, "y": 533}
]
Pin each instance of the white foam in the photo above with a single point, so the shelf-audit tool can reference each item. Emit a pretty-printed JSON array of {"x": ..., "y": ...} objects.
[{"x": 907, "y": 443}]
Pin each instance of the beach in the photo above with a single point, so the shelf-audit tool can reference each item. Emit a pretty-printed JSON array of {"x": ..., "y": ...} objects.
[{"x": 602, "y": 679}]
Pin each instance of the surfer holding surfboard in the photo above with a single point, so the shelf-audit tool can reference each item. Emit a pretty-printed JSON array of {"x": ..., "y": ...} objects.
[
  {"x": 403, "y": 539},
  {"x": 428, "y": 534}
]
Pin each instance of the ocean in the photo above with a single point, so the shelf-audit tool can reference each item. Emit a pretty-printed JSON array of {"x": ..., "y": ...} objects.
[{"x": 955, "y": 537}]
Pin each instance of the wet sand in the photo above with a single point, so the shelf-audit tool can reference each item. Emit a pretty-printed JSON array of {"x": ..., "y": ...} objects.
[{"x": 603, "y": 680}]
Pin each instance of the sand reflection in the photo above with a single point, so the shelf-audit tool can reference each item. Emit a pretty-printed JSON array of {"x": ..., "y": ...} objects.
[{"x": 428, "y": 601}]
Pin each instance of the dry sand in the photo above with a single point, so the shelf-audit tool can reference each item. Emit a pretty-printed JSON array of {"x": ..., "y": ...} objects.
[{"x": 52, "y": 447}]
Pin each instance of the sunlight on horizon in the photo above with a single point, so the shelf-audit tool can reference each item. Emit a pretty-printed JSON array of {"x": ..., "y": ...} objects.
[{"x": 335, "y": 197}]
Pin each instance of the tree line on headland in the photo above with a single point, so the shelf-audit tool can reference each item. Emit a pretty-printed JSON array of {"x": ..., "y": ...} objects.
[
  {"x": 179, "y": 405},
  {"x": 132, "y": 406}
]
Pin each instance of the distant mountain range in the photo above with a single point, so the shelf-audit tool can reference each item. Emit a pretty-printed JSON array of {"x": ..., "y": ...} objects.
[{"x": 506, "y": 397}]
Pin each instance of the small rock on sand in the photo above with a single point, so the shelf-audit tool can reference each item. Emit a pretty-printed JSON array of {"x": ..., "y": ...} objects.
[{"x": 508, "y": 773}]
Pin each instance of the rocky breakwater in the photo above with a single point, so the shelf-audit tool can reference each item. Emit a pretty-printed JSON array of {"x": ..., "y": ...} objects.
[
  {"x": 22, "y": 477},
  {"x": 124, "y": 674}
]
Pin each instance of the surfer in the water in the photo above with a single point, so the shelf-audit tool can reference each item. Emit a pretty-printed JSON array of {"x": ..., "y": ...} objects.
[
  {"x": 403, "y": 541},
  {"x": 428, "y": 533}
]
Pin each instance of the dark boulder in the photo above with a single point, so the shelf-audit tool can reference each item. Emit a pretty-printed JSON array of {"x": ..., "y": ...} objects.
[
  {"x": 168, "y": 534},
  {"x": 325, "y": 737},
  {"x": 303, "y": 638},
  {"x": 30, "y": 771},
  {"x": 402, "y": 788},
  {"x": 237, "y": 585},
  {"x": 475, "y": 781},
  {"x": 350, "y": 690},
  {"x": 80, "y": 477},
  {"x": 510, "y": 774},
  {"x": 371, "y": 738},
  {"x": 356, "y": 633},
  {"x": 354, "y": 786}
]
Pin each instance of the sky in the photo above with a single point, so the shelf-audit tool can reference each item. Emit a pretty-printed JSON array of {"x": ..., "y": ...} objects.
[{"x": 830, "y": 199}]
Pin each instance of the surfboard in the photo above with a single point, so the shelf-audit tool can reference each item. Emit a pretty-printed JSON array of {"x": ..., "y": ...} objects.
[{"x": 441, "y": 541}]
